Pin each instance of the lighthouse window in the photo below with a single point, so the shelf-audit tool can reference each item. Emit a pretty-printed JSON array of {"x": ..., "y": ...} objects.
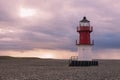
[{"x": 84, "y": 24}]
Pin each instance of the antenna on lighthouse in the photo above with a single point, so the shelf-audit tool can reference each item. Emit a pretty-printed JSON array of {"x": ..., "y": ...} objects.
[{"x": 84, "y": 45}]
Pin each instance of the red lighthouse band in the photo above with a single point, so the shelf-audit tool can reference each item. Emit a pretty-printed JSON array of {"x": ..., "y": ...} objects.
[{"x": 84, "y": 31}]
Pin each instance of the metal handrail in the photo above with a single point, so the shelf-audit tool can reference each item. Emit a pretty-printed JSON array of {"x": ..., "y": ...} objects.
[
  {"x": 79, "y": 29},
  {"x": 91, "y": 43},
  {"x": 74, "y": 57}
]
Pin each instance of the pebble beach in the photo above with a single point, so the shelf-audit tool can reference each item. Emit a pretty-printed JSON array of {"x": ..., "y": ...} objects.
[{"x": 54, "y": 69}]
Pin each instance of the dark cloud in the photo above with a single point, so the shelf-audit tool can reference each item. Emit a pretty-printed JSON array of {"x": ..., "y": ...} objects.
[{"x": 107, "y": 41}]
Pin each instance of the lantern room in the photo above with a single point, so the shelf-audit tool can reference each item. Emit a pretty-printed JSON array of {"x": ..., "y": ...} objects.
[{"x": 84, "y": 22}]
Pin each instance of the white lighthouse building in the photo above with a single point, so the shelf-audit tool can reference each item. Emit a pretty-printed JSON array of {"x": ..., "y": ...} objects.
[{"x": 84, "y": 45}]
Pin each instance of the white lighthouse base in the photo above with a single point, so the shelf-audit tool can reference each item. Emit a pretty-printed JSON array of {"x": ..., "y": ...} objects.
[
  {"x": 84, "y": 57},
  {"x": 85, "y": 52}
]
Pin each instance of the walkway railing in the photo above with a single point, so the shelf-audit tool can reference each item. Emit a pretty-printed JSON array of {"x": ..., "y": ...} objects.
[{"x": 73, "y": 58}]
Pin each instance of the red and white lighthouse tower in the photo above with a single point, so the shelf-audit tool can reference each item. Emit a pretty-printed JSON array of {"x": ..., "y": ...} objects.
[{"x": 84, "y": 43}]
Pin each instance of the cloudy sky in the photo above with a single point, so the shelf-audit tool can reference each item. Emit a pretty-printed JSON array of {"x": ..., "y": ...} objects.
[{"x": 47, "y": 28}]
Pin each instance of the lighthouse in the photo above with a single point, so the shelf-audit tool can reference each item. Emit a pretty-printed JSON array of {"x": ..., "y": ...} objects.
[{"x": 84, "y": 45}]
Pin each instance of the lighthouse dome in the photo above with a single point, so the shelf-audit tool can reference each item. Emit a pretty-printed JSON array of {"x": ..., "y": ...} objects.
[{"x": 85, "y": 22}]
